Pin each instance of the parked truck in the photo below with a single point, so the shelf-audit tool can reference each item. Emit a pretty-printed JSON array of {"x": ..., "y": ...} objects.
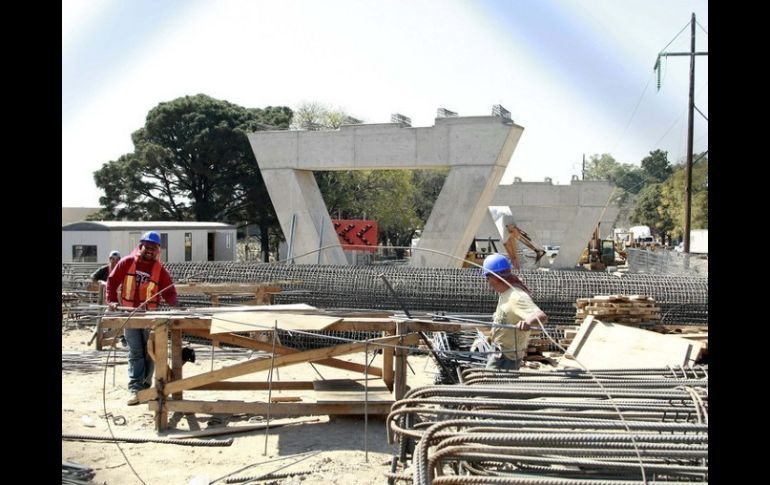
[{"x": 699, "y": 242}]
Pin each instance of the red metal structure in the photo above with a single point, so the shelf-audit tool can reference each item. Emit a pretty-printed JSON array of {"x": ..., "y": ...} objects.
[{"x": 357, "y": 234}]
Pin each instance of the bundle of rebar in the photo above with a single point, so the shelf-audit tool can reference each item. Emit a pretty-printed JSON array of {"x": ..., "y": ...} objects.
[{"x": 564, "y": 426}]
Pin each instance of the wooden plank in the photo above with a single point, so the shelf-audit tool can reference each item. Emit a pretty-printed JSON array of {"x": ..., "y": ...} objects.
[
  {"x": 176, "y": 360},
  {"x": 276, "y": 409},
  {"x": 341, "y": 391},
  {"x": 381, "y": 324},
  {"x": 161, "y": 372},
  {"x": 256, "y": 386},
  {"x": 250, "y": 343},
  {"x": 284, "y": 307},
  {"x": 387, "y": 365},
  {"x": 239, "y": 429},
  {"x": 257, "y": 365},
  {"x": 603, "y": 345},
  {"x": 250, "y": 321},
  {"x": 399, "y": 376},
  {"x": 225, "y": 288},
  {"x": 181, "y": 323}
]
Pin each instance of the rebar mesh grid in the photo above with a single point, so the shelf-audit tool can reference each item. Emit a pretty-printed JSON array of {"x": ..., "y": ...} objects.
[{"x": 683, "y": 299}]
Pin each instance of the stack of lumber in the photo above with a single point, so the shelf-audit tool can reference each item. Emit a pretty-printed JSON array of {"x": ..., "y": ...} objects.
[{"x": 618, "y": 309}]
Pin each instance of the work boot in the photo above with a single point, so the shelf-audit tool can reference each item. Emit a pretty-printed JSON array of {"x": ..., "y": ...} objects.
[{"x": 133, "y": 400}]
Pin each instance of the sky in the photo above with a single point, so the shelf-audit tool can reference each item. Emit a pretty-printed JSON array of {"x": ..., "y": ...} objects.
[{"x": 576, "y": 74}]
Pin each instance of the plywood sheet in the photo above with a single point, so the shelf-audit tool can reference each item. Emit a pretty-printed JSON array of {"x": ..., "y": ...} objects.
[
  {"x": 290, "y": 307},
  {"x": 601, "y": 345},
  {"x": 258, "y": 321}
]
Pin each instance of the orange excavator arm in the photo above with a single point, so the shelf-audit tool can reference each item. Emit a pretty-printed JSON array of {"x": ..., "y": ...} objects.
[{"x": 515, "y": 234}]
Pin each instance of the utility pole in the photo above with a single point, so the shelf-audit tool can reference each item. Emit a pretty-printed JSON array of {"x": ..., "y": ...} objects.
[
  {"x": 691, "y": 106},
  {"x": 583, "y": 173}
]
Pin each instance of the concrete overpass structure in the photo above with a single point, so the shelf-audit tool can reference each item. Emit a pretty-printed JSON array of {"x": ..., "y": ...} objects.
[{"x": 476, "y": 149}]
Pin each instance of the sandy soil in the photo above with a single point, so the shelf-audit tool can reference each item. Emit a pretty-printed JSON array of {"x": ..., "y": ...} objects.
[{"x": 333, "y": 447}]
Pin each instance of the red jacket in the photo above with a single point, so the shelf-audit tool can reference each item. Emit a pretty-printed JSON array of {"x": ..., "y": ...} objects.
[{"x": 142, "y": 274}]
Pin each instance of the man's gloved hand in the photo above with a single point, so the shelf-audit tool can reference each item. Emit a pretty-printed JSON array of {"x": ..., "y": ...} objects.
[
  {"x": 522, "y": 325},
  {"x": 112, "y": 306}
]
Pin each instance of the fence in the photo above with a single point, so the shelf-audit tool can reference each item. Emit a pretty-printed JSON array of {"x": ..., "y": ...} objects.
[{"x": 666, "y": 262}]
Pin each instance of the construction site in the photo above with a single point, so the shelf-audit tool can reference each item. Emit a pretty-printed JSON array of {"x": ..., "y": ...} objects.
[{"x": 329, "y": 368}]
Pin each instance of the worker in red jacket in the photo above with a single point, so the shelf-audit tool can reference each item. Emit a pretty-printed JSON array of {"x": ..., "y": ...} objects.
[{"x": 143, "y": 281}]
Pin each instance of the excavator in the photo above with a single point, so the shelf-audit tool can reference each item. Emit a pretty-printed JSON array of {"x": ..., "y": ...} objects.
[{"x": 515, "y": 235}]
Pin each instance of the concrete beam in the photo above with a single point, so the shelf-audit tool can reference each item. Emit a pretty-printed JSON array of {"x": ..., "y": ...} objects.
[
  {"x": 477, "y": 150},
  {"x": 562, "y": 215}
]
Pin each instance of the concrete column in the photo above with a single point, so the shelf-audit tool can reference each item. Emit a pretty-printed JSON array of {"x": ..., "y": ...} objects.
[{"x": 303, "y": 202}]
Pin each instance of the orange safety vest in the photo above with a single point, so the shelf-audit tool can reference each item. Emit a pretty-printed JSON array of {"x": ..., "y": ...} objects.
[{"x": 147, "y": 290}]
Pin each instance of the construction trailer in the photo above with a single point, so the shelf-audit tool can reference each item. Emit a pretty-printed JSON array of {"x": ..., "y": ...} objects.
[{"x": 92, "y": 241}]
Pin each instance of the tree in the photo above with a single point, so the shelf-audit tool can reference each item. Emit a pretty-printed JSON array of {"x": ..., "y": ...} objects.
[
  {"x": 600, "y": 167},
  {"x": 388, "y": 196},
  {"x": 192, "y": 161},
  {"x": 628, "y": 178},
  {"x": 650, "y": 212},
  {"x": 673, "y": 196},
  {"x": 311, "y": 115},
  {"x": 656, "y": 167},
  {"x": 428, "y": 184}
]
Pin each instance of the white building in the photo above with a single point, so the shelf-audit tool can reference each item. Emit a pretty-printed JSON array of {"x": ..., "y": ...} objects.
[{"x": 92, "y": 241}]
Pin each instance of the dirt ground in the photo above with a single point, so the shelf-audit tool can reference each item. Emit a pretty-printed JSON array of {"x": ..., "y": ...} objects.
[{"x": 333, "y": 448}]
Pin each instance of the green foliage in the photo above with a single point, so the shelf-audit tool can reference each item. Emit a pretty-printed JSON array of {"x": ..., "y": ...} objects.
[
  {"x": 662, "y": 205},
  {"x": 650, "y": 212},
  {"x": 660, "y": 188},
  {"x": 656, "y": 167},
  {"x": 192, "y": 161},
  {"x": 428, "y": 184},
  {"x": 317, "y": 116},
  {"x": 673, "y": 197},
  {"x": 600, "y": 167},
  {"x": 627, "y": 178}
]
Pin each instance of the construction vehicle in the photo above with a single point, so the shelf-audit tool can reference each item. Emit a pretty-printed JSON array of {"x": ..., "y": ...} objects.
[
  {"x": 478, "y": 251},
  {"x": 515, "y": 235},
  {"x": 600, "y": 253}
]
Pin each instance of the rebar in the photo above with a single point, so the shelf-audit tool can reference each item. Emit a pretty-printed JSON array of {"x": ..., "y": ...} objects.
[{"x": 539, "y": 427}]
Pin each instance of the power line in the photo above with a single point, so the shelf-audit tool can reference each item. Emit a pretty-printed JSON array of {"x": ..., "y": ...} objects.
[
  {"x": 669, "y": 128},
  {"x": 633, "y": 113}
]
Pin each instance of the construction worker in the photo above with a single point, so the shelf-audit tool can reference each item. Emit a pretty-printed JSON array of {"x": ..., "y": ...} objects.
[
  {"x": 144, "y": 280},
  {"x": 515, "y": 310},
  {"x": 100, "y": 275}
]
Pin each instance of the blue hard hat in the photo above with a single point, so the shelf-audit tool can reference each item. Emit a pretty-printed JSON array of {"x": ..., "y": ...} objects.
[
  {"x": 151, "y": 236},
  {"x": 496, "y": 263}
]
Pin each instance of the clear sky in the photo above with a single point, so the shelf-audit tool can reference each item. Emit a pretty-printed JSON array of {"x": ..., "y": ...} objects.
[{"x": 576, "y": 74}]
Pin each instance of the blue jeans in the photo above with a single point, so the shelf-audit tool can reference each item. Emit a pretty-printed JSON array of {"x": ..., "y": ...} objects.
[
  {"x": 499, "y": 361},
  {"x": 140, "y": 365}
]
